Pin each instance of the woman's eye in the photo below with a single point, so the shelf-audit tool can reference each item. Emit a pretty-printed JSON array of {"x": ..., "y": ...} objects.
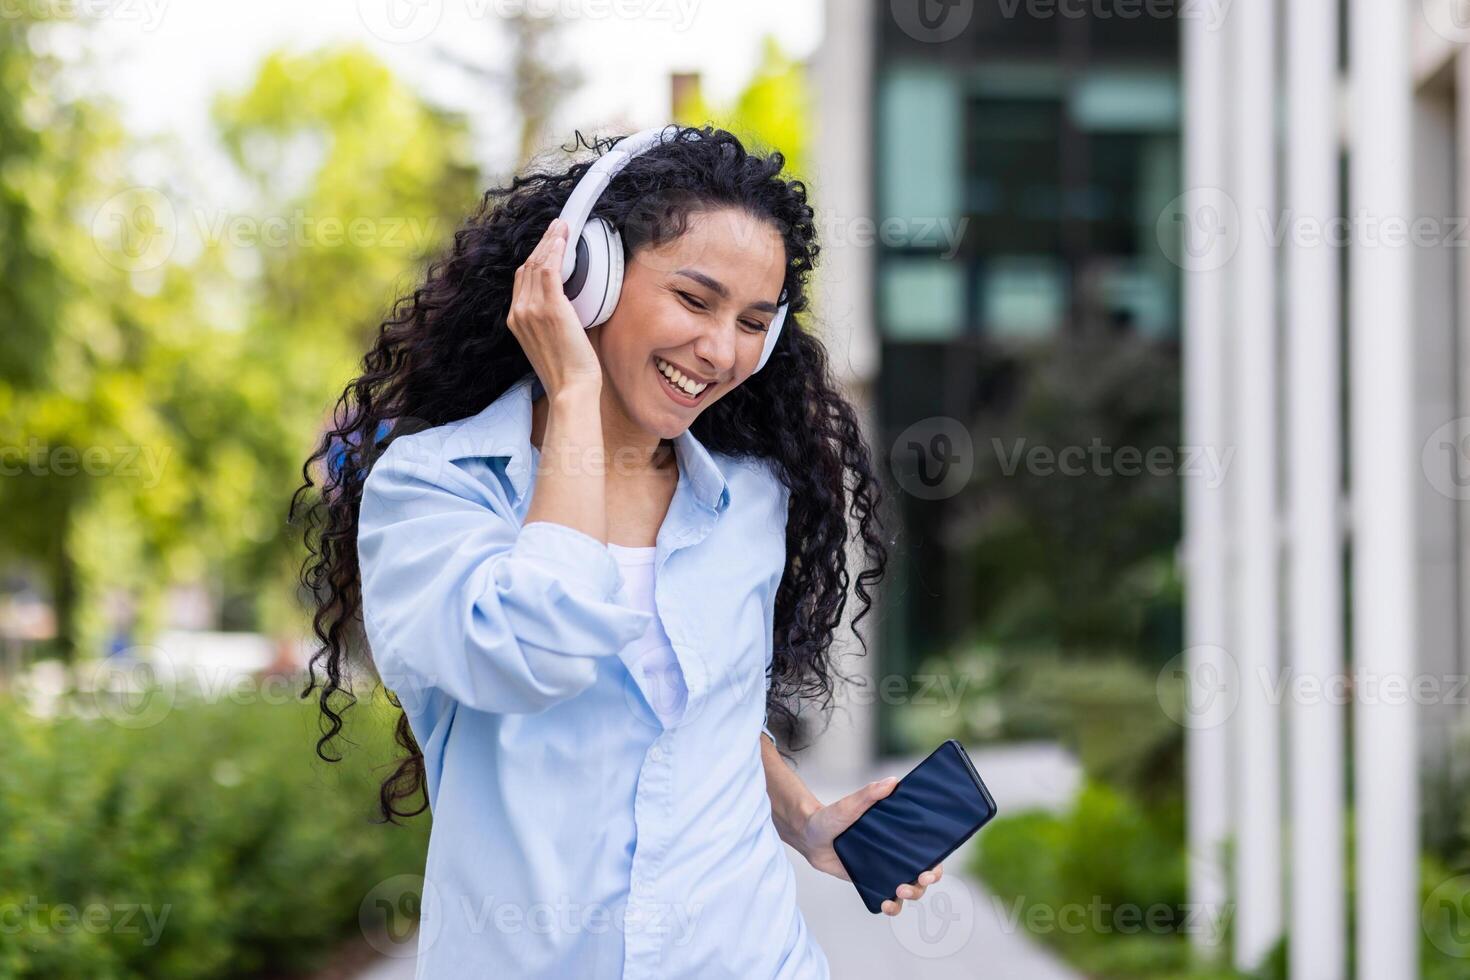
[{"x": 699, "y": 304}]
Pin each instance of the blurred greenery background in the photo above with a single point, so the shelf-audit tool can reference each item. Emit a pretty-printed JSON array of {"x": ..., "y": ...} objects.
[{"x": 158, "y": 398}]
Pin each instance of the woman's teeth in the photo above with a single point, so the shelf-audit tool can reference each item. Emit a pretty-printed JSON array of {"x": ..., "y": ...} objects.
[{"x": 690, "y": 388}]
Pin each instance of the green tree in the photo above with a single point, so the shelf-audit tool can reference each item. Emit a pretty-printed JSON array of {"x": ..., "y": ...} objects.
[
  {"x": 76, "y": 417},
  {"x": 381, "y": 180},
  {"x": 773, "y": 110},
  {"x": 156, "y": 402}
]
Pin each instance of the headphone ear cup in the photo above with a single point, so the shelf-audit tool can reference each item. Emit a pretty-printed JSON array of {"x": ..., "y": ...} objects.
[
  {"x": 597, "y": 278},
  {"x": 773, "y": 334},
  {"x": 614, "y": 271}
]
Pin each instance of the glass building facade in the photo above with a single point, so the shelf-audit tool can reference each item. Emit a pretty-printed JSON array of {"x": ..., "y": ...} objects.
[{"x": 1020, "y": 168}]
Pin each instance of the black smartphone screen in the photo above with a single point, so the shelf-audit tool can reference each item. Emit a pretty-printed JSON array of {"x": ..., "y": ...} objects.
[{"x": 932, "y": 811}]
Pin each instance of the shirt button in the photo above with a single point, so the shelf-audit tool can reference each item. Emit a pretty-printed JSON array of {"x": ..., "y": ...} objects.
[{"x": 657, "y": 754}]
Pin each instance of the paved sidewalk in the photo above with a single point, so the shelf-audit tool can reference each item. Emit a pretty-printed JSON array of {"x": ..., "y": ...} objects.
[{"x": 958, "y": 930}]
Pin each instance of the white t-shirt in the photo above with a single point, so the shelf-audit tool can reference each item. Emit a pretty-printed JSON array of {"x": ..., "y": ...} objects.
[{"x": 652, "y": 654}]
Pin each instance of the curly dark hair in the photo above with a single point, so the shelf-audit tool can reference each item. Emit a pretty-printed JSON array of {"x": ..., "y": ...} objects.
[{"x": 445, "y": 353}]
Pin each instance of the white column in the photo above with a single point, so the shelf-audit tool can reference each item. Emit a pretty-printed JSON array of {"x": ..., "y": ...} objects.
[
  {"x": 1437, "y": 264},
  {"x": 1207, "y": 744},
  {"x": 1384, "y": 466},
  {"x": 842, "y": 158},
  {"x": 843, "y": 289},
  {"x": 1258, "y": 877},
  {"x": 1314, "y": 461}
]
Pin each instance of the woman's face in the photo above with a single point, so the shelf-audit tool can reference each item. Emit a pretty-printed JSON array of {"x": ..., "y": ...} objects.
[{"x": 700, "y": 304}]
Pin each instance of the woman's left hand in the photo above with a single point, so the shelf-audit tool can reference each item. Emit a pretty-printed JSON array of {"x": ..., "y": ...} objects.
[{"x": 823, "y": 826}]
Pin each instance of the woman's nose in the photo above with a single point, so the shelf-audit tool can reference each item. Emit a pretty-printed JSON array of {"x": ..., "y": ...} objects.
[{"x": 716, "y": 348}]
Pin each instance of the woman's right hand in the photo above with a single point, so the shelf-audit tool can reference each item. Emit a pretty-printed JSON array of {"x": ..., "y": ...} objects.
[{"x": 542, "y": 319}]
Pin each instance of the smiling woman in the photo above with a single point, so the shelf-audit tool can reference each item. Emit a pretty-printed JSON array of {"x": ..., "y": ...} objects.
[
  {"x": 734, "y": 263},
  {"x": 471, "y": 523}
]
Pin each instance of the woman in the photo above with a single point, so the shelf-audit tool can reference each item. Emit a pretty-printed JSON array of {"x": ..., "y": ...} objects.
[{"x": 591, "y": 564}]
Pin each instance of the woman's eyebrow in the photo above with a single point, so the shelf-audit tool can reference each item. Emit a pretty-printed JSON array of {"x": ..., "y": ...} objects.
[{"x": 720, "y": 290}]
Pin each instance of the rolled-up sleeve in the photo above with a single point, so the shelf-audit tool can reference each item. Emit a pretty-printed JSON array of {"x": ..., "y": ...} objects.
[{"x": 459, "y": 597}]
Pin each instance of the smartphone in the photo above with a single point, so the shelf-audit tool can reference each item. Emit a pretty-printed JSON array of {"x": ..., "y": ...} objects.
[{"x": 929, "y": 813}]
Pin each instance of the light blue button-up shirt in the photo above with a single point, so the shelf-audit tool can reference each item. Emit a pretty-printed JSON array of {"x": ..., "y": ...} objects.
[{"x": 573, "y": 835}]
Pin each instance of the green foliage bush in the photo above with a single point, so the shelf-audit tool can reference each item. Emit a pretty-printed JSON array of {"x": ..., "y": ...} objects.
[
  {"x": 1109, "y": 852},
  {"x": 251, "y": 855},
  {"x": 1106, "y": 709},
  {"x": 1074, "y": 548},
  {"x": 1104, "y": 883},
  {"x": 985, "y": 684}
]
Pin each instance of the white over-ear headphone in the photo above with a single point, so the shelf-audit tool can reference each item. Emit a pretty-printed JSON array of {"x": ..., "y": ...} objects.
[{"x": 592, "y": 272}]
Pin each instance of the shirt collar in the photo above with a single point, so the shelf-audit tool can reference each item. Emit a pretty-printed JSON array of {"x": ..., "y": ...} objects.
[{"x": 503, "y": 429}]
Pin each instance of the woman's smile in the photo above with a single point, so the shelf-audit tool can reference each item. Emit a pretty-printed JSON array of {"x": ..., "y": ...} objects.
[{"x": 679, "y": 391}]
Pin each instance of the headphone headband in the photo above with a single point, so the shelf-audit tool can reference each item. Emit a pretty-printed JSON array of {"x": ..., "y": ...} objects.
[
  {"x": 594, "y": 182},
  {"x": 592, "y": 263}
]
